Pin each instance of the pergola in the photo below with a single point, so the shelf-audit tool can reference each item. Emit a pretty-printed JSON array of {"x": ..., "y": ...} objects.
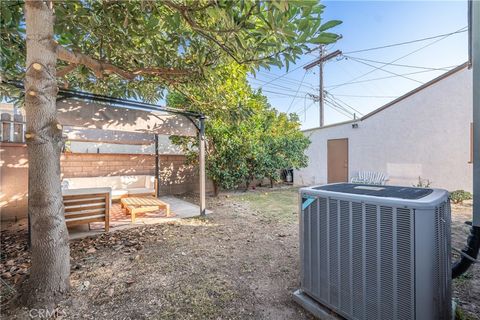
[{"x": 98, "y": 118}]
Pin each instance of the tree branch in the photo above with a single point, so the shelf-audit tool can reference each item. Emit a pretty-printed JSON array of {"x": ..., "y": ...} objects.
[
  {"x": 64, "y": 71},
  {"x": 192, "y": 23},
  {"x": 101, "y": 68},
  {"x": 184, "y": 10}
]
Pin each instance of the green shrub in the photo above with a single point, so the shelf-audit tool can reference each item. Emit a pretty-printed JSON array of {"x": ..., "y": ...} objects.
[{"x": 458, "y": 196}]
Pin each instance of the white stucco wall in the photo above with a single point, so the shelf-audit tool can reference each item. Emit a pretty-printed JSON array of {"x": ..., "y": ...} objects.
[{"x": 426, "y": 134}]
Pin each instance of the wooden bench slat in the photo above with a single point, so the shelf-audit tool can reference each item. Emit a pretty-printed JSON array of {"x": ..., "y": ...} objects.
[
  {"x": 83, "y": 200},
  {"x": 77, "y": 222},
  {"x": 85, "y": 214},
  {"x": 85, "y": 207},
  {"x": 84, "y": 196}
]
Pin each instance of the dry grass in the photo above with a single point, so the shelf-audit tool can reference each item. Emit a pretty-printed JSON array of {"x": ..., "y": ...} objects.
[{"x": 240, "y": 263}]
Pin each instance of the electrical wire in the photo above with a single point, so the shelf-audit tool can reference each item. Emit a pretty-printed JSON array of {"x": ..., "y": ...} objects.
[
  {"x": 304, "y": 111},
  {"x": 362, "y": 96},
  {"x": 387, "y": 71},
  {"x": 283, "y": 75},
  {"x": 333, "y": 107},
  {"x": 334, "y": 86},
  {"x": 277, "y": 86},
  {"x": 335, "y": 98},
  {"x": 340, "y": 107},
  {"x": 284, "y": 79},
  {"x": 392, "y": 64},
  {"x": 408, "y": 42},
  {"x": 281, "y": 93},
  {"x": 441, "y": 37},
  {"x": 298, "y": 89}
]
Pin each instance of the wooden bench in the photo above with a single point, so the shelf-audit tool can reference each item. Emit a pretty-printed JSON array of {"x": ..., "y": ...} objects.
[{"x": 83, "y": 206}]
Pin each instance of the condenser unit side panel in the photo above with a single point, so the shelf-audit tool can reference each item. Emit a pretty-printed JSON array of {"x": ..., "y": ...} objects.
[{"x": 426, "y": 266}]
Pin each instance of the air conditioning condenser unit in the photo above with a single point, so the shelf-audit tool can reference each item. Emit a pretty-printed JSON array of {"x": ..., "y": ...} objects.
[{"x": 375, "y": 252}]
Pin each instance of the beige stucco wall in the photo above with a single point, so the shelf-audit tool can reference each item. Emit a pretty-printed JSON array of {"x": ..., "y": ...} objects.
[
  {"x": 13, "y": 180},
  {"x": 426, "y": 134}
]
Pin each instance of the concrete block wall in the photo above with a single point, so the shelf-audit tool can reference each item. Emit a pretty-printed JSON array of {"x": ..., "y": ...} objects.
[{"x": 175, "y": 177}]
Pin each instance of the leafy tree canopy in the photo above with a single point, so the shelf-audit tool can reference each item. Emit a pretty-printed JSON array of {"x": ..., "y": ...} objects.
[
  {"x": 246, "y": 138},
  {"x": 137, "y": 49}
]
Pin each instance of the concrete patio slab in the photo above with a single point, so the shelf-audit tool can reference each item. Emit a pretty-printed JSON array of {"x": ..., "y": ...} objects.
[{"x": 179, "y": 209}]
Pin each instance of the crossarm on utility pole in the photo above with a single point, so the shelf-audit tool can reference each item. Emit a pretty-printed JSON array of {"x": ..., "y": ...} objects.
[{"x": 320, "y": 61}]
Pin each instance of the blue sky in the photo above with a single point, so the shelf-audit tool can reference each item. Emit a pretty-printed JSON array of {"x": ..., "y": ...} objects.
[{"x": 368, "y": 24}]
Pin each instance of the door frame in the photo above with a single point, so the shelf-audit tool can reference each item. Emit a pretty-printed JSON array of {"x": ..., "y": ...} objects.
[{"x": 348, "y": 157}]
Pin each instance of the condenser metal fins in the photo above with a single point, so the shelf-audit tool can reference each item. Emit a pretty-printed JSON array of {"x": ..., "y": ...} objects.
[{"x": 375, "y": 253}]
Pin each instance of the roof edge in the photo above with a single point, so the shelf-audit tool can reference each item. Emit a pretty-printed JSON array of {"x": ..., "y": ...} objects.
[
  {"x": 403, "y": 97},
  {"x": 417, "y": 89},
  {"x": 333, "y": 125}
]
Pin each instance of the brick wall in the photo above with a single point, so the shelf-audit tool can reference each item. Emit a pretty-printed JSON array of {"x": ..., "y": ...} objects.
[{"x": 175, "y": 176}]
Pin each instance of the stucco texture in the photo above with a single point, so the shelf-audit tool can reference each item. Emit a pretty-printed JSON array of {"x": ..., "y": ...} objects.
[{"x": 425, "y": 135}]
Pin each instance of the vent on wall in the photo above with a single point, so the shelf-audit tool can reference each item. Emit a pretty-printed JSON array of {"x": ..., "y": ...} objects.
[{"x": 364, "y": 257}]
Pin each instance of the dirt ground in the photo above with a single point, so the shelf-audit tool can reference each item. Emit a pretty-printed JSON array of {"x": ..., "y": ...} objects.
[{"x": 239, "y": 263}]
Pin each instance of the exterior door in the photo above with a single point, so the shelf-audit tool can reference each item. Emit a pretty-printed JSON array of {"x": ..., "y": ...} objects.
[{"x": 337, "y": 163}]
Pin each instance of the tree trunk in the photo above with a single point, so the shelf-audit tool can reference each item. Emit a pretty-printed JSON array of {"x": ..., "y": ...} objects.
[
  {"x": 215, "y": 189},
  {"x": 247, "y": 184},
  {"x": 49, "y": 275}
]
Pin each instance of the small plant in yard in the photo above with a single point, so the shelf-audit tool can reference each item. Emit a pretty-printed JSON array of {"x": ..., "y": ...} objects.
[
  {"x": 460, "y": 314},
  {"x": 458, "y": 196},
  {"x": 423, "y": 183}
]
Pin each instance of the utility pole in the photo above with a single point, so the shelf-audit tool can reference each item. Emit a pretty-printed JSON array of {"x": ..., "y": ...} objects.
[
  {"x": 320, "y": 61},
  {"x": 321, "y": 103}
]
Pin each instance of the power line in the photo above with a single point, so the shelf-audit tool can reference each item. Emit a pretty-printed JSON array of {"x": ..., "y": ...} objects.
[
  {"x": 332, "y": 106},
  {"x": 387, "y": 71},
  {"x": 441, "y": 37},
  {"x": 298, "y": 89},
  {"x": 283, "y": 75},
  {"x": 408, "y": 42},
  {"x": 284, "y": 79},
  {"x": 363, "y": 96},
  {"x": 335, "y": 98},
  {"x": 304, "y": 111},
  {"x": 334, "y": 86},
  {"x": 339, "y": 106},
  {"x": 281, "y": 93},
  {"x": 279, "y": 86},
  {"x": 392, "y": 64}
]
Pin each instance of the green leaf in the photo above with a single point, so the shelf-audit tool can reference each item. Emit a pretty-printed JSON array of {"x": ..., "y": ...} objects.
[
  {"x": 330, "y": 24},
  {"x": 325, "y": 38},
  {"x": 6, "y": 15}
]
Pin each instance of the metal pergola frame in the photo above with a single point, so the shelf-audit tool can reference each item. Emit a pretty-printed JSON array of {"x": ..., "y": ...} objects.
[{"x": 197, "y": 119}]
